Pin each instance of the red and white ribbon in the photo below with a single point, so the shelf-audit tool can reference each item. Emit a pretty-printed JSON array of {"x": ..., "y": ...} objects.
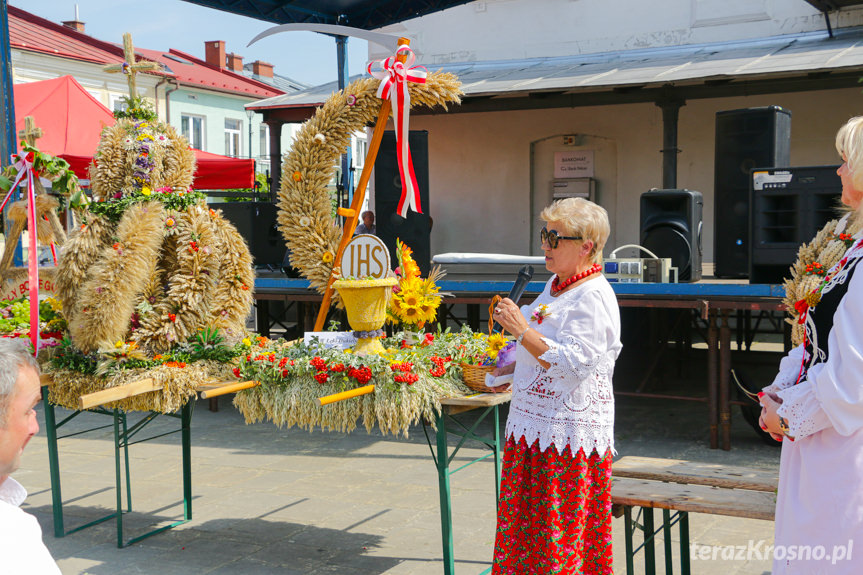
[
  {"x": 397, "y": 74},
  {"x": 24, "y": 167}
]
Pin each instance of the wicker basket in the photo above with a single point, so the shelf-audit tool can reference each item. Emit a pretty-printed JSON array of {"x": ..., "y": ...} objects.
[{"x": 474, "y": 375}]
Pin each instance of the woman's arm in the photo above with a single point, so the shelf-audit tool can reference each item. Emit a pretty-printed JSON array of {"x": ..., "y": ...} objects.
[{"x": 832, "y": 394}]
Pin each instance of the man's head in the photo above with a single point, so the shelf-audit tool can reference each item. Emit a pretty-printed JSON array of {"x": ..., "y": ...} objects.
[
  {"x": 19, "y": 393},
  {"x": 368, "y": 218}
]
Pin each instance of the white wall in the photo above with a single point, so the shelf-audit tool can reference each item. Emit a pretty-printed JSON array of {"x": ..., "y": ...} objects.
[
  {"x": 511, "y": 29},
  {"x": 480, "y": 164}
]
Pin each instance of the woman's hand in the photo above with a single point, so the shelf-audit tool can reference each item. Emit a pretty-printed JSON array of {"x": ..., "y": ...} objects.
[
  {"x": 769, "y": 420},
  {"x": 508, "y": 315},
  {"x": 505, "y": 370}
]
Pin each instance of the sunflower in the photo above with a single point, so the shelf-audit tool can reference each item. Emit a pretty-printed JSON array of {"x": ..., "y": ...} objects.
[{"x": 496, "y": 342}]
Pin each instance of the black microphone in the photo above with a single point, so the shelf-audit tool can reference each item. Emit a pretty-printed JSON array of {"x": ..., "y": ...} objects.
[{"x": 524, "y": 276}]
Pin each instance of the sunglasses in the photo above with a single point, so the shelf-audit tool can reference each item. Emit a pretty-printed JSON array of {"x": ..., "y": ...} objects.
[{"x": 552, "y": 238}]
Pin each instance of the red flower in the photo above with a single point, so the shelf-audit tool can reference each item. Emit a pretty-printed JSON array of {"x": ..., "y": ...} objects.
[
  {"x": 801, "y": 307},
  {"x": 318, "y": 363},
  {"x": 429, "y": 338}
]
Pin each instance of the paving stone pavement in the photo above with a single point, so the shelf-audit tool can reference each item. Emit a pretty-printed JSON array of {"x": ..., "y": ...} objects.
[{"x": 286, "y": 501}]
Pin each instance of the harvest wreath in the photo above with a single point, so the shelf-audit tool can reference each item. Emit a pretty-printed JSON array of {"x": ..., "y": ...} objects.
[
  {"x": 305, "y": 211},
  {"x": 153, "y": 284},
  {"x": 814, "y": 260}
]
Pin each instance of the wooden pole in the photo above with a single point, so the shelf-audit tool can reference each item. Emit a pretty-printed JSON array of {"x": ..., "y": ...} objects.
[
  {"x": 359, "y": 197},
  {"x": 117, "y": 393},
  {"x": 229, "y": 388},
  {"x": 328, "y": 399}
]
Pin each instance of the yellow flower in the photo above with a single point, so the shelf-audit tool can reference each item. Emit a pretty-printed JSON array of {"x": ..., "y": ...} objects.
[
  {"x": 411, "y": 299},
  {"x": 118, "y": 345},
  {"x": 146, "y": 191},
  {"x": 496, "y": 342},
  {"x": 247, "y": 342},
  {"x": 327, "y": 256}
]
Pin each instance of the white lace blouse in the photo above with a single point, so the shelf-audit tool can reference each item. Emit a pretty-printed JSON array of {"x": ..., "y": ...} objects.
[{"x": 570, "y": 403}]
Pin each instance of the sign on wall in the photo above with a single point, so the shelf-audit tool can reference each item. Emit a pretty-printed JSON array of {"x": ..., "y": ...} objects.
[{"x": 573, "y": 164}]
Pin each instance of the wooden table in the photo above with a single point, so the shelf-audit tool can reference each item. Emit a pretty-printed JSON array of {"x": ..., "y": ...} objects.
[
  {"x": 490, "y": 404},
  {"x": 685, "y": 487},
  {"x": 713, "y": 300},
  {"x": 123, "y": 438}
]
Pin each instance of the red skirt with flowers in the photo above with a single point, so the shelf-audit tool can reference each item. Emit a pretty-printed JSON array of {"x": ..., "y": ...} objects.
[{"x": 554, "y": 514}]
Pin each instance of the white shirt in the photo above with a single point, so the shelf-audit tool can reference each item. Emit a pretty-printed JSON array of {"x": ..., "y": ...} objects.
[
  {"x": 22, "y": 551},
  {"x": 571, "y": 403},
  {"x": 820, "y": 499}
]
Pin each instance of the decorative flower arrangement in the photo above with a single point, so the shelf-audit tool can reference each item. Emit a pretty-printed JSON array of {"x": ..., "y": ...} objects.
[
  {"x": 207, "y": 345},
  {"x": 415, "y": 300},
  {"x": 409, "y": 380},
  {"x": 540, "y": 313},
  {"x": 15, "y": 320}
]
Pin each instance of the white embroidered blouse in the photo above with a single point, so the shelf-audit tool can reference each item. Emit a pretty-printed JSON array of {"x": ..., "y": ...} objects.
[{"x": 570, "y": 403}]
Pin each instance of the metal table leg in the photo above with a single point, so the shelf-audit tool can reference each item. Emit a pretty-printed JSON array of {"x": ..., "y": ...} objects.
[
  {"x": 712, "y": 383},
  {"x": 442, "y": 458},
  {"x": 724, "y": 409}
]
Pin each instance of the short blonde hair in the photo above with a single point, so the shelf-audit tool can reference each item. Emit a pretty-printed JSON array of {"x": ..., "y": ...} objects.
[
  {"x": 581, "y": 218},
  {"x": 849, "y": 144}
]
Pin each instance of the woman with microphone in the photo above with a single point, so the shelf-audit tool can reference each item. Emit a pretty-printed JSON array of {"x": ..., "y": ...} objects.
[{"x": 554, "y": 513}]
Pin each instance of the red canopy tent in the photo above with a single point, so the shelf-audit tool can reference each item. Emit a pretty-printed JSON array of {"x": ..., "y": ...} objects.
[{"x": 72, "y": 120}]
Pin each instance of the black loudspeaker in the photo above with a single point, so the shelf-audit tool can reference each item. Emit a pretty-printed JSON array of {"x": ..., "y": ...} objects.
[
  {"x": 256, "y": 222},
  {"x": 789, "y": 206},
  {"x": 745, "y": 139},
  {"x": 671, "y": 228},
  {"x": 414, "y": 230}
]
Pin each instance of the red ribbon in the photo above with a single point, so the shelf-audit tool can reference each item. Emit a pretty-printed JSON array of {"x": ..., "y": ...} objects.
[
  {"x": 24, "y": 166},
  {"x": 398, "y": 74}
]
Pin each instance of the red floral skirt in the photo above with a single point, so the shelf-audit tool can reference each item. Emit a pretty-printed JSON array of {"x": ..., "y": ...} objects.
[{"x": 554, "y": 514}]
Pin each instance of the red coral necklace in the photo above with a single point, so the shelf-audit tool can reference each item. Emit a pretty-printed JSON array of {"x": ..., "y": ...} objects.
[{"x": 558, "y": 286}]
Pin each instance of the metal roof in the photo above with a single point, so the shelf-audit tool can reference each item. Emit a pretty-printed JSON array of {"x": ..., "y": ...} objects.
[
  {"x": 366, "y": 14},
  {"x": 812, "y": 57}
]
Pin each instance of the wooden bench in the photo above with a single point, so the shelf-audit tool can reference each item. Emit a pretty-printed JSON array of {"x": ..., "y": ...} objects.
[{"x": 685, "y": 487}]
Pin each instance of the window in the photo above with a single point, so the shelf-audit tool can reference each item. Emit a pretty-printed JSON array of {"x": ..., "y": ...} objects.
[
  {"x": 233, "y": 131},
  {"x": 264, "y": 143},
  {"x": 362, "y": 150},
  {"x": 116, "y": 102},
  {"x": 192, "y": 127}
]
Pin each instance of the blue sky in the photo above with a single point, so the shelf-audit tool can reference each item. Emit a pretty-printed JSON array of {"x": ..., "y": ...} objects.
[{"x": 162, "y": 24}]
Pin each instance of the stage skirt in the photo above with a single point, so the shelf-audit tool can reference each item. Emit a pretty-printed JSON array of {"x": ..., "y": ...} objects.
[{"x": 554, "y": 514}]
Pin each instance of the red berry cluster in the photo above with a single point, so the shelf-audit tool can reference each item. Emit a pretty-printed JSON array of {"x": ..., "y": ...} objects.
[
  {"x": 815, "y": 269},
  {"x": 337, "y": 367},
  {"x": 440, "y": 365},
  {"x": 283, "y": 362},
  {"x": 362, "y": 374},
  {"x": 408, "y": 378},
  {"x": 193, "y": 247},
  {"x": 172, "y": 316},
  {"x": 405, "y": 366},
  {"x": 236, "y": 371},
  {"x": 318, "y": 363}
]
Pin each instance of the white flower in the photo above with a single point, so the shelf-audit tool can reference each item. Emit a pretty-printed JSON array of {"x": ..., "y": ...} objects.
[
  {"x": 320, "y": 138},
  {"x": 305, "y": 221}
]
